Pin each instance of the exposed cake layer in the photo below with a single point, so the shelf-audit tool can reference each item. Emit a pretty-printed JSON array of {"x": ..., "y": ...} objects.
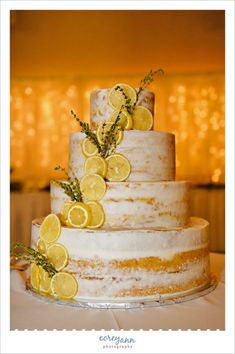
[
  {"x": 100, "y": 110},
  {"x": 151, "y": 155},
  {"x": 129, "y": 263},
  {"x": 138, "y": 204}
]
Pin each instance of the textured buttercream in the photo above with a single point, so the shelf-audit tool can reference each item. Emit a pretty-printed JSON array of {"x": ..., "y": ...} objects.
[
  {"x": 138, "y": 204},
  {"x": 151, "y": 155}
]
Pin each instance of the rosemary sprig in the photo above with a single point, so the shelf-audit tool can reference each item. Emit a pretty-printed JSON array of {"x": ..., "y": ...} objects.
[
  {"x": 29, "y": 254},
  {"x": 87, "y": 130},
  {"x": 71, "y": 187}
]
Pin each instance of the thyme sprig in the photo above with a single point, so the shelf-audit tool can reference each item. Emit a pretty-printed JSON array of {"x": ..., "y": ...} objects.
[
  {"x": 71, "y": 187},
  {"x": 109, "y": 137},
  {"x": 20, "y": 251},
  {"x": 127, "y": 105},
  {"x": 87, "y": 130},
  {"x": 146, "y": 81}
]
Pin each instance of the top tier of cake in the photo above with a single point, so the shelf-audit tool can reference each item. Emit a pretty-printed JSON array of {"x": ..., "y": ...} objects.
[{"x": 100, "y": 110}]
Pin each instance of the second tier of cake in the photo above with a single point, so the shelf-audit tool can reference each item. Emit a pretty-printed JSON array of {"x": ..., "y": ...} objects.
[
  {"x": 151, "y": 155},
  {"x": 138, "y": 204}
]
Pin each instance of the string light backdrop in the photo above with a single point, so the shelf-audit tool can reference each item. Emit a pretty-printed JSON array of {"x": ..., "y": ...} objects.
[{"x": 190, "y": 106}]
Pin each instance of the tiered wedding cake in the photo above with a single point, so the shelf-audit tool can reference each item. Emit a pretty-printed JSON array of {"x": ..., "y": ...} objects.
[{"x": 148, "y": 245}]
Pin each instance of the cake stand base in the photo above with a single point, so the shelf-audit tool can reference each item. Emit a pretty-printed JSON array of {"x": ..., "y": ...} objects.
[{"x": 153, "y": 301}]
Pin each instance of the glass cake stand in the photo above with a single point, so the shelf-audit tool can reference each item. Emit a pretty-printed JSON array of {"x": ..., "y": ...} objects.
[{"x": 153, "y": 301}]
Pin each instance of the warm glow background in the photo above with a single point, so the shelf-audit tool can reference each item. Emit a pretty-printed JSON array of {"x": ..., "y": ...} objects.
[{"x": 58, "y": 57}]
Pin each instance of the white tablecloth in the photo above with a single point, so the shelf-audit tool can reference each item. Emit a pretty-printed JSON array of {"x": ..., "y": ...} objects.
[{"x": 207, "y": 312}]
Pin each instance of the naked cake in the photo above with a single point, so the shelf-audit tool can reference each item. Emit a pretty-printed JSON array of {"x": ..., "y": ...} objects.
[{"x": 146, "y": 244}]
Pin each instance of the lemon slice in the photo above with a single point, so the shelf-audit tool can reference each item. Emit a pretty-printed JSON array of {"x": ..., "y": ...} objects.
[
  {"x": 34, "y": 276},
  {"x": 119, "y": 168},
  {"x": 125, "y": 119},
  {"x": 57, "y": 256},
  {"x": 116, "y": 98},
  {"x": 64, "y": 212},
  {"x": 97, "y": 215},
  {"x": 64, "y": 285},
  {"x": 50, "y": 229},
  {"x": 142, "y": 118},
  {"x": 41, "y": 246},
  {"x": 79, "y": 215},
  {"x": 96, "y": 164},
  {"x": 45, "y": 281},
  {"x": 104, "y": 128},
  {"x": 93, "y": 187},
  {"x": 88, "y": 148}
]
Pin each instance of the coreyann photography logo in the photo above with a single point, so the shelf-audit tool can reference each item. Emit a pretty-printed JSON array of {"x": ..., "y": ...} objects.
[{"x": 116, "y": 342}]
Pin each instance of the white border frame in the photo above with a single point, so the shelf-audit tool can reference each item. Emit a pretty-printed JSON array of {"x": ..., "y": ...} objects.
[{"x": 87, "y": 341}]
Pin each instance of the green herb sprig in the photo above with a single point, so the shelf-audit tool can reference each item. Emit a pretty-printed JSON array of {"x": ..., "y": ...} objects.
[
  {"x": 146, "y": 81},
  {"x": 109, "y": 138},
  {"x": 71, "y": 187},
  {"x": 20, "y": 251},
  {"x": 87, "y": 130}
]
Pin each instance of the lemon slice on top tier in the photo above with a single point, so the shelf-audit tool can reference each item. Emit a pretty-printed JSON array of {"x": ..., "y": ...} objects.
[
  {"x": 64, "y": 285},
  {"x": 97, "y": 215},
  {"x": 57, "y": 256},
  {"x": 125, "y": 120},
  {"x": 79, "y": 215},
  {"x": 93, "y": 187},
  {"x": 88, "y": 148},
  {"x": 103, "y": 128},
  {"x": 142, "y": 118},
  {"x": 50, "y": 229},
  {"x": 119, "y": 168},
  {"x": 116, "y": 98},
  {"x": 95, "y": 164}
]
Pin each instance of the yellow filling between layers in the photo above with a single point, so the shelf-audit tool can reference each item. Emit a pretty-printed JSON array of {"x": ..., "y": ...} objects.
[
  {"x": 169, "y": 289},
  {"x": 148, "y": 263}
]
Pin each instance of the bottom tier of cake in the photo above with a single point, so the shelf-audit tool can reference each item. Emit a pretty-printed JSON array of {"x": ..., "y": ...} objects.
[{"x": 136, "y": 264}]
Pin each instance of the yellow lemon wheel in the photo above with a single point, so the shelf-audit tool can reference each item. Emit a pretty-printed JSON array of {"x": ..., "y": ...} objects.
[
  {"x": 95, "y": 165},
  {"x": 116, "y": 98},
  {"x": 45, "y": 281},
  {"x": 97, "y": 215},
  {"x": 64, "y": 285},
  {"x": 119, "y": 168},
  {"x": 58, "y": 256},
  {"x": 34, "y": 276},
  {"x": 93, "y": 187},
  {"x": 88, "y": 148},
  {"x": 125, "y": 119},
  {"x": 79, "y": 215},
  {"x": 104, "y": 128},
  {"x": 41, "y": 246},
  {"x": 142, "y": 118},
  {"x": 64, "y": 212},
  {"x": 50, "y": 229}
]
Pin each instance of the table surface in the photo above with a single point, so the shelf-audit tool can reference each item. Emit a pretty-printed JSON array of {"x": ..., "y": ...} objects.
[{"x": 206, "y": 312}]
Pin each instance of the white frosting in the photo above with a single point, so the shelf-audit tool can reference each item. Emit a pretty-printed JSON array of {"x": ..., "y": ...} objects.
[
  {"x": 151, "y": 155},
  {"x": 100, "y": 110},
  {"x": 138, "y": 204},
  {"x": 127, "y": 244}
]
